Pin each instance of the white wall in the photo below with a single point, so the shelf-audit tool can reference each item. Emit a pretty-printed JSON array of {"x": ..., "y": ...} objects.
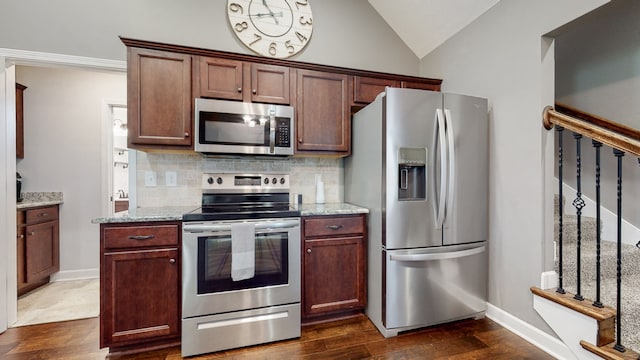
[
  {"x": 345, "y": 33},
  {"x": 63, "y": 150},
  {"x": 502, "y": 56}
]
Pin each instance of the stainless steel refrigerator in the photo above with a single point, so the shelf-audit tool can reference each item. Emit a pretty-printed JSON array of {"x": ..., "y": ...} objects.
[{"x": 420, "y": 165}]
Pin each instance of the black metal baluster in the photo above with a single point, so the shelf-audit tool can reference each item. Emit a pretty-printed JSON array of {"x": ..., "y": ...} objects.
[
  {"x": 578, "y": 203},
  {"x": 618, "y": 346},
  {"x": 560, "y": 132},
  {"x": 597, "y": 145}
]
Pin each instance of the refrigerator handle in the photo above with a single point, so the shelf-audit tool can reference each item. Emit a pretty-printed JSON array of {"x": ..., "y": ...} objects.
[
  {"x": 438, "y": 256},
  {"x": 452, "y": 161},
  {"x": 443, "y": 168}
]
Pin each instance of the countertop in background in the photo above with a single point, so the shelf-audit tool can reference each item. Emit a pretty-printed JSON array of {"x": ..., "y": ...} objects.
[
  {"x": 36, "y": 199},
  {"x": 174, "y": 213}
]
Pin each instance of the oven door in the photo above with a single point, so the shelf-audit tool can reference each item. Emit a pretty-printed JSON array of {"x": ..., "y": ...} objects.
[{"x": 207, "y": 285}]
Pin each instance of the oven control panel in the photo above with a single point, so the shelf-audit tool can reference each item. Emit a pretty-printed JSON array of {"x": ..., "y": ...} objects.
[{"x": 228, "y": 182}]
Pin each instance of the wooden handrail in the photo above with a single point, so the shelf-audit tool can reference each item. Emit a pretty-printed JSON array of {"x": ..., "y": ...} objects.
[{"x": 608, "y": 132}]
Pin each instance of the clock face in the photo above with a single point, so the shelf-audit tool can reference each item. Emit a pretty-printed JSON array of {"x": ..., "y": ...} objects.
[{"x": 273, "y": 28}]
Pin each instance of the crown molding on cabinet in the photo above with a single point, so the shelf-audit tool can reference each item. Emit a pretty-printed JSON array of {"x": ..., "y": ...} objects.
[{"x": 26, "y": 57}]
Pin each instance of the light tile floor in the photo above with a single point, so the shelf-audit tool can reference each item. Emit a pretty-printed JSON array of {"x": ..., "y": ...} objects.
[{"x": 60, "y": 301}]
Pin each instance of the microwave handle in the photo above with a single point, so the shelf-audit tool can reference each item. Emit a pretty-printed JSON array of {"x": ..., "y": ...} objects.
[{"x": 272, "y": 130}]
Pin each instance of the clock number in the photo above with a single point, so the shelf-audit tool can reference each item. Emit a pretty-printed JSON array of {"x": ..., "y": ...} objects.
[
  {"x": 301, "y": 2},
  {"x": 236, "y": 7},
  {"x": 289, "y": 47},
  {"x": 241, "y": 26},
  {"x": 258, "y": 38},
  {"x": 304, "y": 21},
  {"x": 301, "y": 37},
  {"x": 272, "y": 49}
]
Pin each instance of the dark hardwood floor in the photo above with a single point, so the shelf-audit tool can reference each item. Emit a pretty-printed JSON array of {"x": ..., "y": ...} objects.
[{"x": 354, "y": 338}]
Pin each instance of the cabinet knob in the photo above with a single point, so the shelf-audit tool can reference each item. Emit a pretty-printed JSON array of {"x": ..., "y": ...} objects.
[
  {"x": 32, "y": 233},
  {"x": 308, "y": 251},
  {"x": 239, "y": 89},
  {"x": 172, "y": 261},
  {"x": 300, "y": 141},
  {"x": 21, "y": 236},
  {"x": 254, "y": 91},
  {"x": 186, "y": 134}
]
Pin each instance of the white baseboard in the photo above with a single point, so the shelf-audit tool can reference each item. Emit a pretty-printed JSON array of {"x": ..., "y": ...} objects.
[
  {"x": 535, "y": 336},
  {"x": 630, "y": 233},
  {"x": 69, "y": 275}
]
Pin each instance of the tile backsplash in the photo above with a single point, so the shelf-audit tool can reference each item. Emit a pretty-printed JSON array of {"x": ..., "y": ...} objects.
[{"x": 190, "y": 167}]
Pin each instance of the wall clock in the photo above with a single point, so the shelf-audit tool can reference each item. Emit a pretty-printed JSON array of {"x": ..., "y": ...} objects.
[{"x": 272, "y": 28}]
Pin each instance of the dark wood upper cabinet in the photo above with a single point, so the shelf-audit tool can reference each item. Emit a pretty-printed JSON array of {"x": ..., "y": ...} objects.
[
  {"x": 420, "y": 85},
  {"x": 243, "y": 81},
  {"x": 20, "y": 120},
  {"x": 365, "y": 89},
  {"x": 323, "y": 113},
  {"x": 159, "y": 99}
]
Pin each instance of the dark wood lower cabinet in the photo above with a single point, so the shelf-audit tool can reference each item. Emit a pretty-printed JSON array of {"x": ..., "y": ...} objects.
[
  {"x": 38, "y": 245},
  {"x": 334, "y": 266},
  {"x": 139, "y": 286}
]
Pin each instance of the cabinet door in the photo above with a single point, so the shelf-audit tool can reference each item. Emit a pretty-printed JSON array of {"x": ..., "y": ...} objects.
[
  {"x": 323, "y": 113},
  {"x": 42, "y": 250},
  {"x": 270, "y": 84},
  {"x": 139, "y": 296},
  {"x": 420, "y": 85},
  {"x": 20, "y": 120},
  {"x": 334, "y": 275},
  {"x": 159, "y": 99},
  {"x": 220, "y": 78},
  {"x": 365, "y": 89}
]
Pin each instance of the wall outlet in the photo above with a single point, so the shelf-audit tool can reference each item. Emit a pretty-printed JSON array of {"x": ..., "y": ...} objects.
[
  {"x": 171, "y": 178},
  {"x": 150, "y": 178}
]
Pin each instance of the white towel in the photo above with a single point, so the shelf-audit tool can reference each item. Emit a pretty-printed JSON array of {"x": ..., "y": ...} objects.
[{"x": 243, "y": 258}]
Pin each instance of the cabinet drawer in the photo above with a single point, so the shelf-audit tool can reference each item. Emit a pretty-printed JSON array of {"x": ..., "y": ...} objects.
[
  {"x": 118, "y": 237},
  {"x": 34, "y": 216},
  {"x": 330, "y": 226}
]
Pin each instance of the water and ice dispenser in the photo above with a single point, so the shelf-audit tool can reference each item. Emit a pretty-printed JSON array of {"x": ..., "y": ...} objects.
[{"x": 412, "y": 174}]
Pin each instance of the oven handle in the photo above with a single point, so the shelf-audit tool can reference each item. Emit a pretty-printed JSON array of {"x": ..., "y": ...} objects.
[
  {"x": 272, "y": 130},
  {"x": 201, "y": 227}
]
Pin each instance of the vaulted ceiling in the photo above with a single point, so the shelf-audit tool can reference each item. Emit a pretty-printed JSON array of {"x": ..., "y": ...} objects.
[{"x": 425, "y": 24}]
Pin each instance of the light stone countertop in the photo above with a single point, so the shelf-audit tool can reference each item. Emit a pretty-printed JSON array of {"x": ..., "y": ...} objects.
[
  {"x": 36, "y": 199},
  {"x": 331, "y": 209},
  {"x": 164, "y": 213},
  {"x": 174, "y": 213}
]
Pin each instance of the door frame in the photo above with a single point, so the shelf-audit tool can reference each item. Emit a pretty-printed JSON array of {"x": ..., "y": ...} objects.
[{"x": 8, "y": 59}]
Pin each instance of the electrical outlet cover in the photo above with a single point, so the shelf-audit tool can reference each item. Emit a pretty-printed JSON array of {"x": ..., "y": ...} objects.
[
  {"x": 149, "y": 178},
  {"x": 171, "y": 178}
]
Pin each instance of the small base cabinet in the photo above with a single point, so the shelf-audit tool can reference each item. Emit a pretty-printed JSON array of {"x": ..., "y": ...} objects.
[
  {"x": 333, "y": 266},
  {"x": 139, "y": 286},
  {"x": 38, "y": 245}
]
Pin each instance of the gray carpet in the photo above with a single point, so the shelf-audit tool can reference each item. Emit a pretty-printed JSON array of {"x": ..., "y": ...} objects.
[{"x": 630, "y": 281}]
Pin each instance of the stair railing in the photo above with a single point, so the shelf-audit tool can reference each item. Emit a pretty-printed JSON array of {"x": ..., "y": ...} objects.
[{"x": 621, "y": 139}]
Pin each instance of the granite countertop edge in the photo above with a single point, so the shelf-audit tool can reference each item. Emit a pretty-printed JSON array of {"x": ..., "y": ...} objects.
[
  {"x": 174, "y": 213},
  {"x": 37, "y": 199}
]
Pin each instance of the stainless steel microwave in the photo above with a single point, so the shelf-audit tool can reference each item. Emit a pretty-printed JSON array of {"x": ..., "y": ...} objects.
[{"x": 231, "y": 127}]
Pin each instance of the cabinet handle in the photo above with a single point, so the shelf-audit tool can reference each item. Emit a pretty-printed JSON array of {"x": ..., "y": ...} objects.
[
  {"x": 334, "y": 227},
  {"x": 172, "y": 261},
  {"x": 239, "y": 89},
  {"x": 43, "y": 214},
  {"x": 254, "y": 91},
  {"x": 308, "y": 251},
  {"x": 32, "y": 233},
  {"x": 141, "y": 237},
  {"x": 186, "y": 134}
]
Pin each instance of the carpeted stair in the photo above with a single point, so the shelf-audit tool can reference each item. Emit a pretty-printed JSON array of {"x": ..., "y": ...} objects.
[{"x": 630, "y": 286}]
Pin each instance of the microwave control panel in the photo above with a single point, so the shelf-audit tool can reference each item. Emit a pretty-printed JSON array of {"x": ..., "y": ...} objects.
[{"x": 283, "y": 132}]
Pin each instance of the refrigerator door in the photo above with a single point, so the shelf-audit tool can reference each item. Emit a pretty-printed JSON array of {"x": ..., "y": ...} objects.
[
  {"x": 466, "y": 216},
  {"x": 409, "y": 131},
  {"x": 429, "y": 286}
]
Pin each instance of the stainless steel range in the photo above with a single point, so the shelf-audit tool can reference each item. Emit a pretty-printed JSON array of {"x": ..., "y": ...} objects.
[{"x": 241, "y": 264}]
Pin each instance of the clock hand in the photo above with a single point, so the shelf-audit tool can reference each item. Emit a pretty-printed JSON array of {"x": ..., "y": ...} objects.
[
  {"x": 279, "y": 14},
  {"x": 273, "y": 15}
]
